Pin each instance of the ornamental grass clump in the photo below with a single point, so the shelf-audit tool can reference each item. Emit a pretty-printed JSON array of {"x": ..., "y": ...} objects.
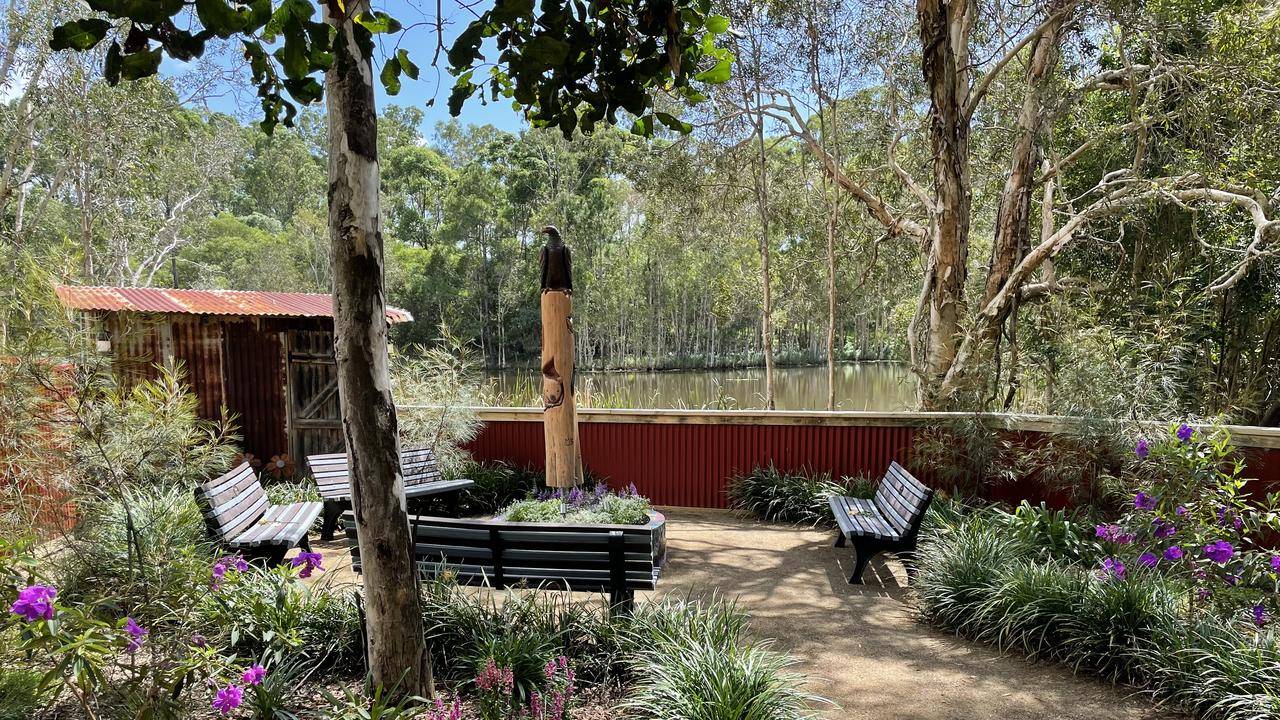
[{"x": 771, "y": 494}]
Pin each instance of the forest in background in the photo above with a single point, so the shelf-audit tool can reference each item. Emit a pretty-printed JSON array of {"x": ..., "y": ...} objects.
[{"x": 805, "y": 201}]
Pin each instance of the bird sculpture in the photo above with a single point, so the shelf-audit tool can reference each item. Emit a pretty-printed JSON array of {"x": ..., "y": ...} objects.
[{"x": 556, "y": 262}]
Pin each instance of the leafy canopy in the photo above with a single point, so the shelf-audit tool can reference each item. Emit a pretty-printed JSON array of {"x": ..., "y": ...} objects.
[{"x": 566, "y": 64}]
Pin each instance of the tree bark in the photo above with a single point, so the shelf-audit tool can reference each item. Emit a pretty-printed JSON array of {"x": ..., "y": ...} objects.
[
  {"x": 944, "y": 37},
  {"x": 397, "y": 653}
]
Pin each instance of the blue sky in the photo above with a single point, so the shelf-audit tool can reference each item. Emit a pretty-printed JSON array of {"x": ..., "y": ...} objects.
[{"x": 419, "y": 38}]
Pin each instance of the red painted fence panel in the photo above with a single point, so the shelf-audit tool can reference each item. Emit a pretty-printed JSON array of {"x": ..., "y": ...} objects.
[{"x": 685, "y": 459}]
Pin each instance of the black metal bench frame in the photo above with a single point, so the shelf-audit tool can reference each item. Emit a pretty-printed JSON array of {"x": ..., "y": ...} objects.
[
  {"x": 903, "y": 523},
  {"x": 501, "y": 554}
]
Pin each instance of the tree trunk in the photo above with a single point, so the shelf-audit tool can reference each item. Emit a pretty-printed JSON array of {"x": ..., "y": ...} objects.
[
  {"x": 944, "y": 37},
  {"x": 397, "y": 651}
]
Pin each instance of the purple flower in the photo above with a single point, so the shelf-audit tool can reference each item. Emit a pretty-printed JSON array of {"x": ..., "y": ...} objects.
[
  {"x": 631, "y": 490},
  {"x": 1231, "y": 579},
  {"x": 1180, "y": 511},
  {"x": 308, "y": 561},
  {"x": 1143, "y": 449},
  {"x": 1143, "y": 501},
  {"x": 1173, "y": 553},
  {"x": 1259, "y": 615},
  {"x": 1185, "y": 432},
  {"x": 1113, "y": 567},
  {"x": 1219, "y": 551},
  {"x": 34, "y": 603},
  {"x": 136, "y": 632},
  {"x": 601, "y": 490},
  {"x": 1199, "y": 574},
  {"x": 1203, "y": 594},
  {"x": 1147, "y": 559},
  {"x": 1275, "y": 563},
  {"x": 199, "y": 641},
  {"x": 1163, "y": 528},
  {"x": 228, "y": 699},
  {"x": 1238, "y": 522},
  {"x": 254, "y": 675},
  {"x": 1114, "y": 533}
]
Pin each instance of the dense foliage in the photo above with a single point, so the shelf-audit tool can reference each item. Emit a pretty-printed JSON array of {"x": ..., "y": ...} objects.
[
  {"x": 796, "y": 497},
  {"x": 582, "y": 506},
  {"x": 1173, "y": 594}
]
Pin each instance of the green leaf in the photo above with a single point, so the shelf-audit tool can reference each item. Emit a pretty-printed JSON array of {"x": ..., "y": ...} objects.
[
  {"x": 306, "y": 91},
  {"x": 717, "y": 24},
  {"x": 643, "y": 126},
  {"x": 406, "y": 64},
  {"x": 79, "y": 34},
  {"x": 379, "y": 22},
  {"x": 111, "y": 67},
  {"x": 545, "y": 50},
  {"x": 466, "y": 49},
  {"x": 717, "y": 74},
  {"x": 674, "y": 123},
  {"x": 390, "y": 76},
  {"x": 220, "y": 18},
  {"x": 141, "y": 64}
]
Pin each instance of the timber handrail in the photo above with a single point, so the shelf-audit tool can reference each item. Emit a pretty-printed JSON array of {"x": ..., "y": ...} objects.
[{"x": 1251, "y": 436}]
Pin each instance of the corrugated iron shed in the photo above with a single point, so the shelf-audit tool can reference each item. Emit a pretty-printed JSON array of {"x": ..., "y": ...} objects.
[{"x": 206, "y": 302}]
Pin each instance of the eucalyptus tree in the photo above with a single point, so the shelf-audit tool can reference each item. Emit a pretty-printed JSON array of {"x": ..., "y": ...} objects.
[
  {"x": 1022, "y": 79},
  {"x": 568, "y": 64}
]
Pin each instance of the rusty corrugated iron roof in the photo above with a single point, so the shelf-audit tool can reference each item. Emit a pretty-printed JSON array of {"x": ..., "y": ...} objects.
[{"x": 206, "y": 302}]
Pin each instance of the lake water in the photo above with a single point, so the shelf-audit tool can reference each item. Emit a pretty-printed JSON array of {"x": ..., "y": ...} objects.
[{"x": 859, "y": 386}]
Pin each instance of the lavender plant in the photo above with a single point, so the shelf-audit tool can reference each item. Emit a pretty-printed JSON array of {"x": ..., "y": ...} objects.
[{"x": 597, "y": 505}]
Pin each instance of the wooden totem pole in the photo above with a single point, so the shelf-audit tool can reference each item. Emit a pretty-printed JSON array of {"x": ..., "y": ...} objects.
[{"x": 559, "y": 414}]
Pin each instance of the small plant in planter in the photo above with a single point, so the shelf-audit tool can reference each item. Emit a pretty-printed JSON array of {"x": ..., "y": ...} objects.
[{"x": 599, "y": 505}]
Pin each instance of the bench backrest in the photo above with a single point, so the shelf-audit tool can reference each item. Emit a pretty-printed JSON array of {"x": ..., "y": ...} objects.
[
  {"x": 500, "y": 554},
  {"x": 332, "y": 473},
  {"x": 232, "y": 501},
  {"x": 902, "y": 499}
]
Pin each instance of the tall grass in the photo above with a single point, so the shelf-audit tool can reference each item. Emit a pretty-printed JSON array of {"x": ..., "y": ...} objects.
[
  {"x": 979, "y": 579},
  {"x": 794, "y": 497}
]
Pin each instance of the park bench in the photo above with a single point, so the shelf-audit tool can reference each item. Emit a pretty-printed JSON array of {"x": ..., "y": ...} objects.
[
  {"x": 612, "y": 559},
  {"x": 421, "y": 473},
  {"x": 888, "y": 522},
  {"x": 237, "y": 512}
]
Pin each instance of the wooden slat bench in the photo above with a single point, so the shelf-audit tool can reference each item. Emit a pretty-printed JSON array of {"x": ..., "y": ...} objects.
[
  {"x": 612, "y": 559},
  {"x": 237, "y": 512},
  {"x": 422, "y": 479},
  {"x": 889, "y": 522}
]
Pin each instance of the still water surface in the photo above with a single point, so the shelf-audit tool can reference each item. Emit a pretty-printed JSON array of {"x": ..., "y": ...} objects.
[{"x": 859, "y": 386}]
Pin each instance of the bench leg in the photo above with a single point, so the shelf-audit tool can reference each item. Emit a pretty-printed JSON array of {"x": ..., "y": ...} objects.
[
  {"x": 840, "y": 539},
  {"x": 332, "y": 512},
  {"x": 622, "y": 602},
  {"x": 862, "y": 554},
  {"x": 908, "y": 558},
  {"x": 305, "y": 543}
]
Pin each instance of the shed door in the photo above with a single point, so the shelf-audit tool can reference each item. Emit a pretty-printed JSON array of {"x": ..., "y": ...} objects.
[{"x": 315, "y": 422}]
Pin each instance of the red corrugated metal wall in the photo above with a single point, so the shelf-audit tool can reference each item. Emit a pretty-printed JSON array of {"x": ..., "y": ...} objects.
[
  {"x": 254, "y": 366},
  {"x": 688, "y": 465},
  {"x": 197, "y": 343}
]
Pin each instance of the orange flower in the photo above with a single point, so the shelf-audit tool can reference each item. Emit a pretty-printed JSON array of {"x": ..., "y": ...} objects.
[
  {"x": 254, "y": 462},
  {"x": 281, "y": 466}
]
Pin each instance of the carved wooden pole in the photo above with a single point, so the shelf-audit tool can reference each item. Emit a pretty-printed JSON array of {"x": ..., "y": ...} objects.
[{"x": 559, "y": 414}]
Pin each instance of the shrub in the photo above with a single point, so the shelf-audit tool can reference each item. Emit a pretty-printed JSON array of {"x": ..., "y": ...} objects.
[
  {"x": 700, "y": 680},
  {"x": 146, "y": 548},
  {"x": 272, "y": 614},
  {"x": 801, "y": 498},
  {"x": 497, "y": 485},
  {"x": 436, "y": 390},
  {"x": 578, "y": 506},
  {"x": 1052, "y": 534},
  {"x": 1215, "y": 669},
  {"x": 517, "y": 628}
]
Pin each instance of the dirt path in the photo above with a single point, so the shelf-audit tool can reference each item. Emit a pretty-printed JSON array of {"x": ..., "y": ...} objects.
[{"x": 859, "y": 645}]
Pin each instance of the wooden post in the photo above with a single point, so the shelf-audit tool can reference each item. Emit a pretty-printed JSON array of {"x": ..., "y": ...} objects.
[{"x": 559, "y": 414}]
